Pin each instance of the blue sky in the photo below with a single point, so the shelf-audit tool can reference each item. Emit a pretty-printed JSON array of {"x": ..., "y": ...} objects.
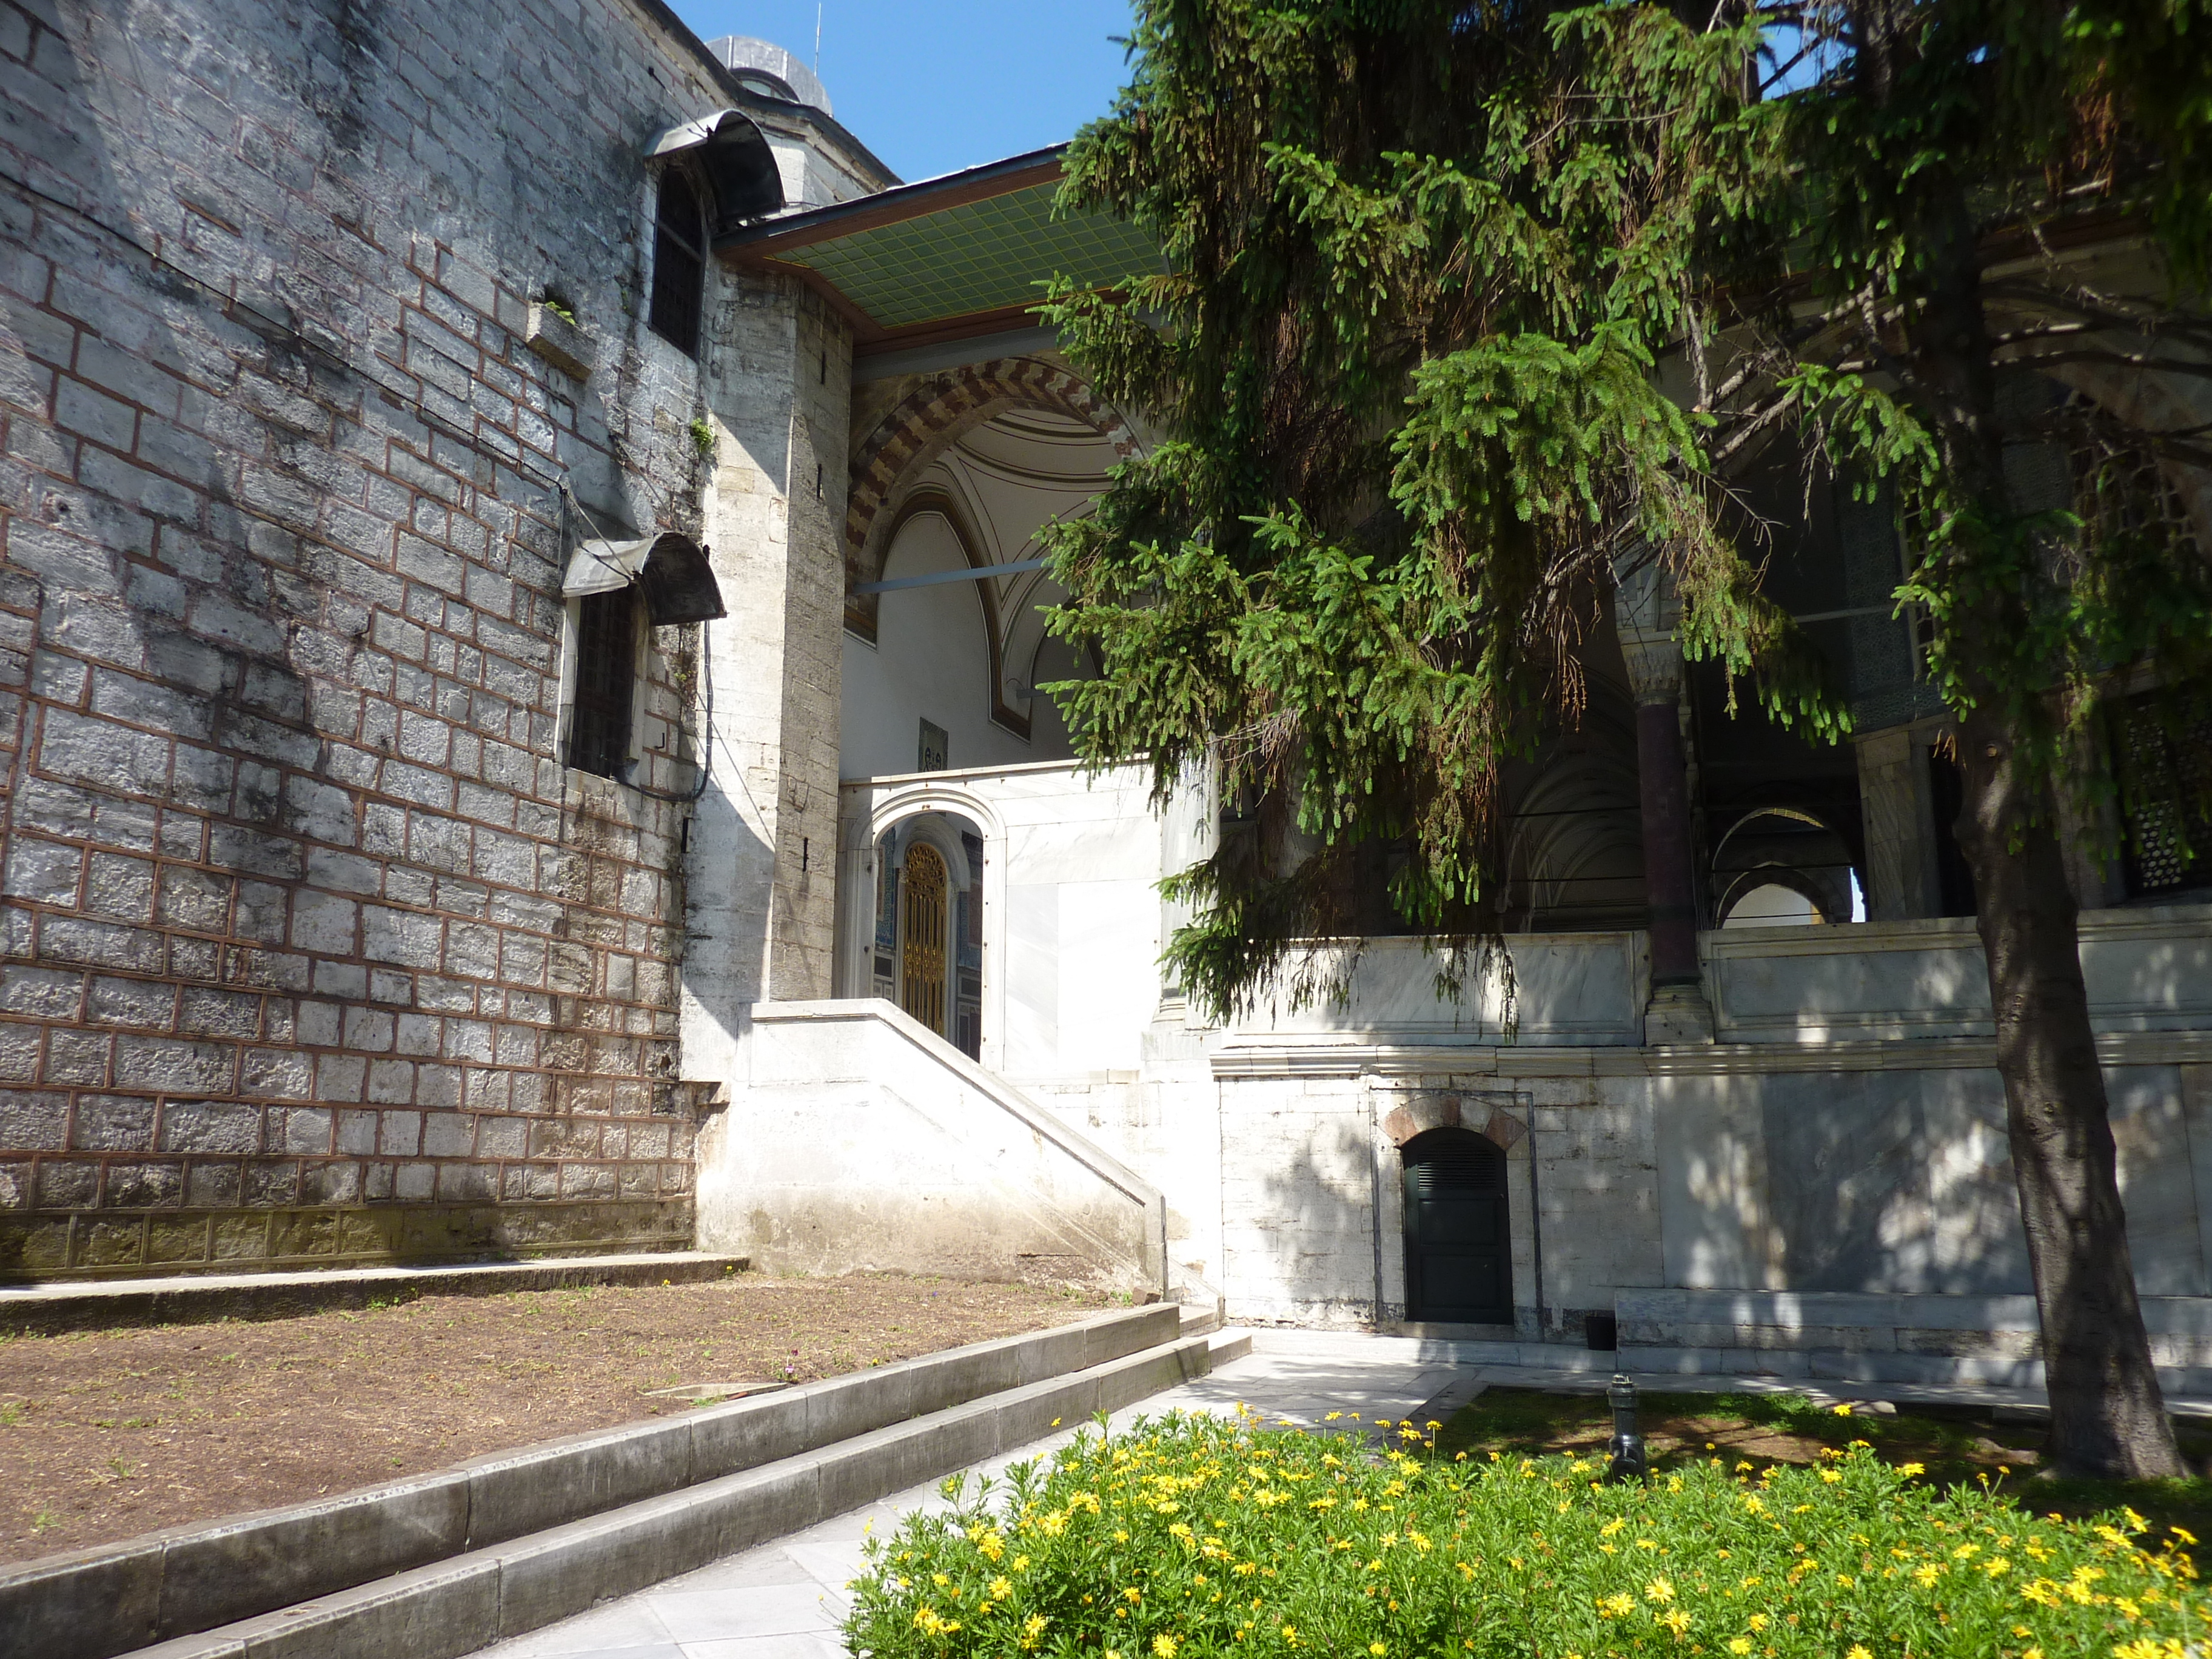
[{"x": 933, "y": 86}]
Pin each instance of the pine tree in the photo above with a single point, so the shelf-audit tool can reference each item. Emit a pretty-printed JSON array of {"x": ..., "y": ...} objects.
[{"x": 1424, "y": 262}]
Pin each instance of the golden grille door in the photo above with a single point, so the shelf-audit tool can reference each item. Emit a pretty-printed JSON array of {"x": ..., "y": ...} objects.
[{"x": 921, "y": 936}]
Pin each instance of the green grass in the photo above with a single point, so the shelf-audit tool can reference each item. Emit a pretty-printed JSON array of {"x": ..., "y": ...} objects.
[{"x": 1956, "y": 1446}]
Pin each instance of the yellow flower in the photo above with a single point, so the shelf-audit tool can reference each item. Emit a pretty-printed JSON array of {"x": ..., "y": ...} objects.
[
  {"x": 1759, "y": 1621},
  {"x": 1912, "y": 1469},
  {"x": 1376, "y": 1648},
  {"x": 1677, "y": 1620},
  {"x": 1001, "y": 1589},
  {"x": 1858, "y": 1652},
  {"x": 1164, "y": 1646},
  {"x": 1134, "y": 1593},
  {"x": 1739, "y": 1644},
  {"x": 1830, "y": 1476},
  {"x": 1659, "y": 1590}
]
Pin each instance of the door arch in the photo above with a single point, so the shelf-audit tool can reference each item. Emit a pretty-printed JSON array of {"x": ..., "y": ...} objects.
[{"x": 1459, "y": 1254}]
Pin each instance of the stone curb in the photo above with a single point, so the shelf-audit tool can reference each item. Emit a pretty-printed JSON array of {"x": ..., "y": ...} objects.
[
  {"x": 45, "y": 1309},
  {"x": 456, "y": 1607},
  {"x": 110, "y": 1599}
]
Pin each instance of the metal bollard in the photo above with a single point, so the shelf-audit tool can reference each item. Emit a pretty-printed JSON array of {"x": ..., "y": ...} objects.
[{"x": 1626, "y": 1446}]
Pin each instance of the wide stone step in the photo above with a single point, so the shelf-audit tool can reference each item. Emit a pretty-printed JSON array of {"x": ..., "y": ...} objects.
[
  {"x": 114, "y": 1598},
  {"x": 202, "y": 1298},
  {"x": 468, "y": 1602}
]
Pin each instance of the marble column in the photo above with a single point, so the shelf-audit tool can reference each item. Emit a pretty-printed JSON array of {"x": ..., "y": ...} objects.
[
  {"x": 1897, "y": 811},
  {"x": 1645, "y": 613}
]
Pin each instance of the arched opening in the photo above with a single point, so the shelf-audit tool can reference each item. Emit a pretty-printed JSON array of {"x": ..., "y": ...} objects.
[
  {"x": 966, "y": 652},
  {"x": 928, "y": 945},
  {"x": 1770, "y": 904},
  {"x": 1459, "y": 1254},
  {"x": 1779, "y": 866}
]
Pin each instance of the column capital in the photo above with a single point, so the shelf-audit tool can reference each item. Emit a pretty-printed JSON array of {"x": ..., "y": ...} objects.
[{"x": 1645, "y": 611}]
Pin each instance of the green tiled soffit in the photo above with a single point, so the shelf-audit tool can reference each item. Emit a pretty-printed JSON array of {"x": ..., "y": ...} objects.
[{"x": 980, "y": 257}]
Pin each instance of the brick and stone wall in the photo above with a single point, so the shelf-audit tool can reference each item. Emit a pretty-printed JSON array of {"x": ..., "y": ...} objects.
[{"x": 310, "y": 946}]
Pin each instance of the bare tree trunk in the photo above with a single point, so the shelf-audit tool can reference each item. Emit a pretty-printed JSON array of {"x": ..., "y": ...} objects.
[{"x": 2107, "y": 1414}]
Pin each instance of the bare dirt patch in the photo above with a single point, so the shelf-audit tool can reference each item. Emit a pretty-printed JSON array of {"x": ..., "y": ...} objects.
[{"x": 107, "y": 1434}]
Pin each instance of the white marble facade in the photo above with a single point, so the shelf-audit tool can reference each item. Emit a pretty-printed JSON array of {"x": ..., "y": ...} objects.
[{"x": 1840, "y": 1144}]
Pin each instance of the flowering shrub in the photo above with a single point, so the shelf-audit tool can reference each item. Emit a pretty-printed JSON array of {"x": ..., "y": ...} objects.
[{"x": 1192, "y": 1536}]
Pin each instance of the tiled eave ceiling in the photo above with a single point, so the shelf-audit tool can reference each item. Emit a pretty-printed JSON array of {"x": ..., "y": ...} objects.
[{"x": 948, "y": 259}]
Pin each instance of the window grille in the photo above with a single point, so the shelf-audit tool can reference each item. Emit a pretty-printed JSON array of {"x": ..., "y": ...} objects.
[
  {"x": 606, "y": 677},
  {"x": 934, "y": 750},
  {"x": 1461, "y": 1168},
  {"x": 679, "y": 264},
  {"x": 2165, "y": 782}
]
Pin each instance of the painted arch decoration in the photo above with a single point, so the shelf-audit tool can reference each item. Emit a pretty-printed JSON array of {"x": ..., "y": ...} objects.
[{"x": 927, "y": 420}]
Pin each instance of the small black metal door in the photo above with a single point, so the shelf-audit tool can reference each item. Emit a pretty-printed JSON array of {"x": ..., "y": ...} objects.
[{"x": 1459, "y": 1266}]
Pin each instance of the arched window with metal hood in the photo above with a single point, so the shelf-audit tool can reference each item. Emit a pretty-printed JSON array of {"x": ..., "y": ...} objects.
[
  {"x": 606, "y": 583},
  {"x": 716, "y": 172},
  {"x": 679, "y": 264}
]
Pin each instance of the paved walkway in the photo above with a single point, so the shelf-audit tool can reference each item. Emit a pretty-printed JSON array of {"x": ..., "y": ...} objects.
[{"x": 785, "y": 1599}]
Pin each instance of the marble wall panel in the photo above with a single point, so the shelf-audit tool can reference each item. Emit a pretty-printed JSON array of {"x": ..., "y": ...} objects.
[
  {"x": 2144, "y": 970},
  {"x": 1574, "y": 990}
]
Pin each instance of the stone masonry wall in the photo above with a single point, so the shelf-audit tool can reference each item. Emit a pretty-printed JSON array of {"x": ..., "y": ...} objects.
[{"x": 313, "y": 948}]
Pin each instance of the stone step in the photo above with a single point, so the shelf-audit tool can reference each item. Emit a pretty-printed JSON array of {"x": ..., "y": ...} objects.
[
  {"x": 202, "y": 1298},
  {"x": 114, "y": 1598},
  {"x": 457, "y": 1605}
]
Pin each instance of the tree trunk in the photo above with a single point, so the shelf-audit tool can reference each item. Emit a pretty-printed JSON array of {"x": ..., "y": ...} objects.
[{"x": 2107, "y": 1414}]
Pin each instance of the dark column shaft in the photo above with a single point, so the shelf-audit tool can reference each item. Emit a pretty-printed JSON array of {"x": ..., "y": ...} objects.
[{"x": 1664, "y": 785}]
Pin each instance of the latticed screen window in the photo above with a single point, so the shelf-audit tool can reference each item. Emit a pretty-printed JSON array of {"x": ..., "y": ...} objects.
[
  {"x": 606, "y": 675},
  {"x": 679, "y": 264},
  {"x": 2165, "y": 786}
]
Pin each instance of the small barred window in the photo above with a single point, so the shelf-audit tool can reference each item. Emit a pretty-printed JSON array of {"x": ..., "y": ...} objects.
[
  {"x": 606, "y": 675},
  {"x": 679, "y": 264}
]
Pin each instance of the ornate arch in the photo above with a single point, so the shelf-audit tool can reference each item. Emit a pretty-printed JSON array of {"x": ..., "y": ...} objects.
[
  {"x": 926, "y": 502},
  {"x": 924, "y": 423}
]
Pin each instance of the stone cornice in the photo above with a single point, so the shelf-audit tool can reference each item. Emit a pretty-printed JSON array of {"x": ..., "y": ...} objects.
[{"x": 1329, "y": 1059}]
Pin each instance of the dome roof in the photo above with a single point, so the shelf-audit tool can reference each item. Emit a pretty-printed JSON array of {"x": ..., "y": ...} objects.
[{"x": 766, "y": 68}]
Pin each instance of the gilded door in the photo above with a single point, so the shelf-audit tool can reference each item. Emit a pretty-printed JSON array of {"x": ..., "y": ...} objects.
[{"x": 921, "y": 936}]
